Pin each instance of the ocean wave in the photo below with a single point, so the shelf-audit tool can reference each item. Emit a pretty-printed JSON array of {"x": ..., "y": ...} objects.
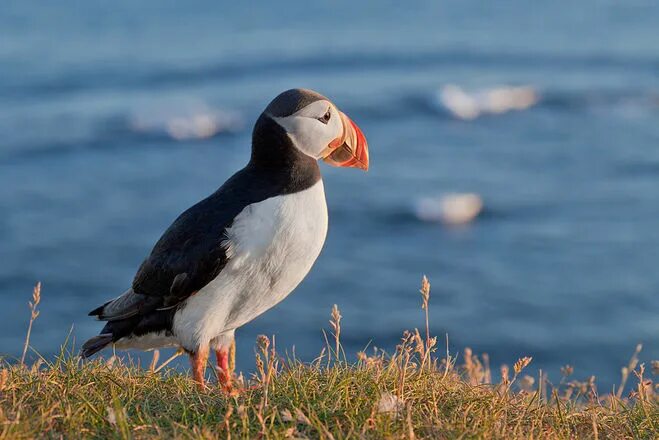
[
  {"x": 450, "y": 209},
  {"x": 117, "y": 77},
  {"x": 616, "y": 100},
  {"x": 176, "y": 122},
  {"x": 190, "y": 120},
  {"x": 467, "y": 105},
  {"x": 196, "y": 122},
  {"x": 453, "y": 101}
]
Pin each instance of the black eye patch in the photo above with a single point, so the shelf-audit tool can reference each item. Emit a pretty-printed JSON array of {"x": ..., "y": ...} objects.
[{"x": 326, "y": 117}]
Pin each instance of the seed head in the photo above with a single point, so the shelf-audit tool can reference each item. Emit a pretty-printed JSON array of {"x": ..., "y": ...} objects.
[
  {"x": 567, "y": 370},
  {"x": 263, "y": 342},
  {"x": 425, "y": 291},
  {"x": 522, "y": 363},
  {"x": 335, "y": 322}
]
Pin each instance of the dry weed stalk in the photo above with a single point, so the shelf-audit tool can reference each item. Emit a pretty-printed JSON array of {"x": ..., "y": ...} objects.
[
  {"x": 401, "y": 359},
  {"x": 477, "y": 372},
  {"x": 505, "y": 379},
  {"x": 3, "y": 379},
  {"x": 335, "y": 323},
  {"x": 266, "y": 364},
  {"x": 425, "y": 296},
  {"x": 631, "y": 366},
  {"x": 566, "y": 371},
  {"x": 518, "y": 367},
  {"x": 644, "y": 390},
  {"x": 448, "y": 361},
  {"x": 178, "y": 352},
  {"x": 34, "y": 313},
  {"x": 426, "y": 348},
  {"x": 154, "y": 360},
  {"x": 375, "y": 362},
  {"x": 487, "y": 378}
]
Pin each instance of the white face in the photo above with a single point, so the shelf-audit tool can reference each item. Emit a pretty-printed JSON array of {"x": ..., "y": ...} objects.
[{"x": 313, "y": 127}]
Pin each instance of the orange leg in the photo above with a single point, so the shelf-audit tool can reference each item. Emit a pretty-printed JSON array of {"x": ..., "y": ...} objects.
[
  {"x": 225, "y": 367},
  {"x": 198, "y": 361}
]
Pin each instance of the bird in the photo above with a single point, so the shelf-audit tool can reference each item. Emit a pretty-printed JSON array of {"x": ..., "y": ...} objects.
[{"x": 244, "y": 248}]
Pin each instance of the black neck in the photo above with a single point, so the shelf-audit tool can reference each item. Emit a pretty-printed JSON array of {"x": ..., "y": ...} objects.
[{"x": 274, "y": 155}]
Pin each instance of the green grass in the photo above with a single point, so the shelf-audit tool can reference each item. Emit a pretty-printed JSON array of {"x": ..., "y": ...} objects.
[{"x": 412, "y": 393}]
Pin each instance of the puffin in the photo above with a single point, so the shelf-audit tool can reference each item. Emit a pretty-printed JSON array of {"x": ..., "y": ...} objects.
[{"x": 242, "y": 249}]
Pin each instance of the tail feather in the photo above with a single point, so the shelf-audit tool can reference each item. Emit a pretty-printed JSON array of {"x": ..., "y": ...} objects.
[
  {"x": 95, "y": 344},
  {"x": 96, "y": 312}
]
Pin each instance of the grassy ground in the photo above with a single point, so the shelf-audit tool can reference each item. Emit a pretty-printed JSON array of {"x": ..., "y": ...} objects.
[{"x": 412, "y": 393}]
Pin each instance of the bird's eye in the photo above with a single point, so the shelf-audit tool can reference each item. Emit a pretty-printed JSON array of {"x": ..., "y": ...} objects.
[{"x": 326, "y": 117}]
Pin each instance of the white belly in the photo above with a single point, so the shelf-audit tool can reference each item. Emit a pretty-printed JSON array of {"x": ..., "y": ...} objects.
[
  {"x": 147, "y": 342},
  {"x": 271, "y": 247}
]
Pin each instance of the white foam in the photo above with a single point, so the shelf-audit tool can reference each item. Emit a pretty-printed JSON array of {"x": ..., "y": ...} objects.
[
  {"x": 497, "y": 100},
  {"x": 451, "y": 209},
  {"x": 188, "y": 122}
]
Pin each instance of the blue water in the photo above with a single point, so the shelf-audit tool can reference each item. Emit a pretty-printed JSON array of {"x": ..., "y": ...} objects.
[{"x": 561, "y": 265}]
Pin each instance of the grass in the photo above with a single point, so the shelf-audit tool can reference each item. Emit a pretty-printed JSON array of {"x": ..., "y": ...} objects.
[{"x": 412, "y": 393}]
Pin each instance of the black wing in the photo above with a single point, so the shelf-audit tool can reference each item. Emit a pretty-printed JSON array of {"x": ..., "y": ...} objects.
[
  {"x": 186, "y": 258},
  {"x": 190, "y": 254}
]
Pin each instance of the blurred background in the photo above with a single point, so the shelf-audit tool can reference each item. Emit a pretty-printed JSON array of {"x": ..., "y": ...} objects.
[{"x": 115, "y": 117}]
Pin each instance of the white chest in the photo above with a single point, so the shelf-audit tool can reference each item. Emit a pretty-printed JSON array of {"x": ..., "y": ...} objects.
[{"x": 271, "y": 247}]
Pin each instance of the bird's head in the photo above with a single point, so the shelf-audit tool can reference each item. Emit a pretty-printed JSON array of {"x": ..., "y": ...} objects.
[{"x": 317, "y": 128}]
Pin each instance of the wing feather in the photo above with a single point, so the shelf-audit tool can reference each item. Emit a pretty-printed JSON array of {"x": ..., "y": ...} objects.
[
  {"x": 190, "y": 254},
  {"x": 125, "y": 306}
]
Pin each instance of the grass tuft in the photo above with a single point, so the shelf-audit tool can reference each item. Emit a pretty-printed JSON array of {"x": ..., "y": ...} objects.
[{"x": 411, "y": 393}]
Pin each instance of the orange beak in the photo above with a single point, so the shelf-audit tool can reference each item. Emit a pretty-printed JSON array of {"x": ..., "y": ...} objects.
[{"x": 349, "y": 150}]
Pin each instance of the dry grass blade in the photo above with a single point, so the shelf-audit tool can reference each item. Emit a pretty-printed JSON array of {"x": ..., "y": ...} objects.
[
  {"x": 631, "y": 366},
  {"x": 425, "y": 296},
  {"x": 34, "y": 313},
  {"x": 178, "y": 352}
]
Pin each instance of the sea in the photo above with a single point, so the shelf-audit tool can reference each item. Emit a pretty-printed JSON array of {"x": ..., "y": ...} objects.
[{"x": 117, "y": 116}]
